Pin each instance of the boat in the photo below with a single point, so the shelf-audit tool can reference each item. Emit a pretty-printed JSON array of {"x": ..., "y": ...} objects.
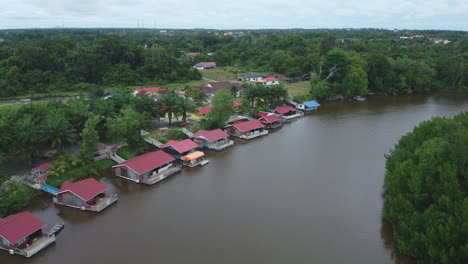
[
  {"x": 57, "y": 228},
  {"x": 359, "y": 98}
]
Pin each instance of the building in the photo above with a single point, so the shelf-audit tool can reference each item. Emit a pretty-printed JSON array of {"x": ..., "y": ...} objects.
[
  {"x": 148, "y": 168},
  {"x": 271, "y": 121},
  {"x": 247, "y": 129},
  {"x": 210, "y": 88},
  {"x": 212, "y": 139},
  {"x": 205, "y": 65},
  {"x": 193, "y": 54},
  {"x": 252, "y": 77},
  {"x": 150, "y": 91},
  {"x": 22, "y": 234},
  {"x": 287, "y": 112},
  {"x": 308, "y": 106},
  {"x": 88, "y": 194},
  {"x": 201, "y": 113},
  {"x": 195, "y": 159},
  {"x": 270, "y": 80},
  {"x": 179, "y": 148}
]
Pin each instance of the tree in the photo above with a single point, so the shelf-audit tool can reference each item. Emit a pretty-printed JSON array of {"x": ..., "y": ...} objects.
[
  {"x": 170, "y": 104},
  {"x": 90, "y": 137},
  {"x": 127, "y": 127},
  {"x": 321, "y": 90},
  {"x": 355, "y": 82},
  {"x": 56, "y": 130},
  {"x": 221, "y": 110},
  {"x": 185, "y": 106}
]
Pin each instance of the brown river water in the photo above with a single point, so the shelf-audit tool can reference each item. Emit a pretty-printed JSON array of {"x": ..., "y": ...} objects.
[{"x": 310, "y": 192}]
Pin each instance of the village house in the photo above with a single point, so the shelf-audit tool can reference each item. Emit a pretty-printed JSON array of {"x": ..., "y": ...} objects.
[
  {"x": 88, "y": 194},
  {"x": 270, "y": 80},
  {"x": 252, "y": 77},
  {"x": 308, "y": 106},
  {"x": 212, "y": 139},
  {"x": 149, "y": 168},
  {"x": 193, "y": 54},
  {"x": 247, "y": 129},
  {"x": 22, "y": 234},
  {"x": 195, "y": 158},
  {"x": 271, "y": 121},
  {"x": 205, "y": 65},
  {"x": 179, "y": 148},
  {"x": 287, "y": 112},
  {"x": 150, "y": 91},
  {"x": 201, "y": 113},
  {"x": 210, "y": 88}
]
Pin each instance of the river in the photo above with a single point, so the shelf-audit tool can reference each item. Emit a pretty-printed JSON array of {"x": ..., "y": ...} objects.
[{"x": 310, "y": 192}]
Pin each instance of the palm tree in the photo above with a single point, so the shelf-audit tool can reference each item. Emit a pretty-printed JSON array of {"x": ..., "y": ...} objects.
[
  {"x": 170, "y": 105},
  {"x": 26, "y": 137},
  {"x": 185, "y": 106},
  {"x": 56, "y": 130}
]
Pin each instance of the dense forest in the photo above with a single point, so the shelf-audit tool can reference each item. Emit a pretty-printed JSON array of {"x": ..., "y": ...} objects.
[
  {"x": 426, "y": 186},
  {"x": 343, "y": 62}
]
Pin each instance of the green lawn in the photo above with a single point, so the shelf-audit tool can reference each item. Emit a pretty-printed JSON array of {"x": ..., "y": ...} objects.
[
  {"x": 219, "y": 74},
  {"x": 37, "y": 95},
  {"x": 18, "y": 104},
  {"x": 302, "y": 87}
]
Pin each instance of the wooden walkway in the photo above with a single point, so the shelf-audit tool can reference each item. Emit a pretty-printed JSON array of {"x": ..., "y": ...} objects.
[
  {"x": 187, "y": 132},
  {"x": 113, "y": 156},
  {"x": 153, "y": 142}
]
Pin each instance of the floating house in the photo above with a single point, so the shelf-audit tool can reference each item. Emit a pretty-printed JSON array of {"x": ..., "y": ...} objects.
[
  {"x": 88, "y": 194},
  {"x": 22, "y": 234},
  {"x": 308, "y": 106},
  {"x": 213, "y": 139},
  {"x": 195, "y": 158},
  {"x": 271, "y": 121},
  {"x": 148, "y": 168},
  {"x": 205, "y": 65},
  {"x": 287, "y": 112},
  {"x": 201, "y": 113},
  {"x": 247, "y": 129},
  {"x": 179, "y": 149}
]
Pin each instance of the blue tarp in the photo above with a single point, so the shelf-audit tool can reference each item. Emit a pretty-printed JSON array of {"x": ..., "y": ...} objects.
[
  {"x": 49, "y": 189},
  {"x": 311, "y": 104}
]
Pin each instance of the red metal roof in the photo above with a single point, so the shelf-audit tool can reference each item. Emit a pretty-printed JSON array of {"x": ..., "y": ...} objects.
[
  {"x": 284, "y": 109},
  {"x": 204, "y": 110},
  {"x": 248, "y": 125},
  {"x": 206, "y": 63},
  {"x": 263, "y": 114},
  {"x": 236, "y": 103},
  {"x": 44, "y": 166},
  {"x": 193, "y": 53},
  {"x": 85, "y": 189},
  {"x": 270, "y": 119},
  {"x": 18, "y": 226},
  {"x": 150, "y": 89},
  {"x": 147, "y": 161},
  {"x": 211, "y": 135},
  {"x": 270, "y": 79},
  {"x": 181, "y": 146}
]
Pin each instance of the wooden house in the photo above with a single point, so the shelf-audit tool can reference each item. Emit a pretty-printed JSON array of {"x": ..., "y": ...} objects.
[
  {"x": 149, "y": 168},
  {"x": 213, "y": 139},
  {"x": 271, "y": 121},
  {"x": 22, "y": 234},
  {"x": 287, "y": 112},
  {"x": 88, "y": 194},
  {"x": 205, "y": 65},
  {"x": 179, "y": 148},
  {"x": 195, "y": 159},
  {"x": 247, "y": 129},
  {"x": 252, "y": 77},
  {"x": 308, "y": 106}
]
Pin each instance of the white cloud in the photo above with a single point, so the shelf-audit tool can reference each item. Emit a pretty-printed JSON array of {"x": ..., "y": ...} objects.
[{"x": 422, "y": 14}]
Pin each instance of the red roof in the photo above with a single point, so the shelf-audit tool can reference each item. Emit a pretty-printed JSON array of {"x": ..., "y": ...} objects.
[
  {"x": 150, "y": 89},
  {"x": 147, "y": 161},
  {"x": 44, "y": 166},
  {"x": 263, "y": 114},
  {"x": 85, "y": 189},
  {"x": 236, "y": 103},
  {"x": 248, "y": 125},
  {"x": 193, "y": 53},
  {"x": 270, "y": 119},
  {"x": 206, "y": 64},
  {"x": 204, "y": 110},
  {"x": 211, "y": 135},
  {"x": 270, "y": 79},
  {"x": 284, "y": 109},
  {"x": 18, "y": 226},
  {"x": 181, "y": 146}
]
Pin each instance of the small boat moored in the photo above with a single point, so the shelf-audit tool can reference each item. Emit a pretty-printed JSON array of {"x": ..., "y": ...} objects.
[
  {"x": 56, "y": 229},
  {"x": 359, "y": 98}
]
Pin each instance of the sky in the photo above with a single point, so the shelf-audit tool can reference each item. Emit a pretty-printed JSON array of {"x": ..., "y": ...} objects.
[{"x": 236, "y": 14}]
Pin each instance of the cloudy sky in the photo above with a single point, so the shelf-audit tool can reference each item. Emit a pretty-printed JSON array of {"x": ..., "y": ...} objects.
[{"x": 233, "y": 14}]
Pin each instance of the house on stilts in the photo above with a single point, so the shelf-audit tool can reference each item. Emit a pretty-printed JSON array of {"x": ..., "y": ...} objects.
[
  {"x": 308, "y": 106},
  {"x": 22, "y": 234},
  {"x": 88, "y": 194},
  {"x": 287, "y": 112},
  {"x": 149, "y": 168},
  {"x": 247, "y": 129},
  {"x": 181, "y": 149},
  {"x": 215, "y": 139}
]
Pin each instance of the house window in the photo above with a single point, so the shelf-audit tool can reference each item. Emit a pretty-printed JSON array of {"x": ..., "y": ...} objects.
[{"x": 5, "y": 242}]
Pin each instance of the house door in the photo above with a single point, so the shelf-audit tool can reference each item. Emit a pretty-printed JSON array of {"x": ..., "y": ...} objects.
[{"x": 124, "y": 172}]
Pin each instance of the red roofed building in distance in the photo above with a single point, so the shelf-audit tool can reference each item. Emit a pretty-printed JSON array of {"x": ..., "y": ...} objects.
[
  {"x": 271, "y": 80},
  {"x": 287, "y": 112},
  {"x": 22, "y": 234},
  {"x": 210, "y": 88},
  {"x": 271, "y": 121},
  {"x": 148, "y": 168},
  {"x": 88, "y": 194},
  {"x": 193, "y": 54},
  {"x": 179, "y": 148},
  {"x": 247, "y": 129},
  {"x": 205, "y": 65},
  {"x": 150, "y": 91},
  {"x": 212, "y": 139}
]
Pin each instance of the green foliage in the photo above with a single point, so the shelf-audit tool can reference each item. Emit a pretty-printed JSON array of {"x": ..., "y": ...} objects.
[
  {"x": 426, "y": 186},
  {"x": 127, "y": 128},
  {"x": 262, "y": 96},
  {"x": 176, "y": 134},
  {"x": 355, "y": 82},
  {"x": 15, "y": 197},
  {"x": 90, "y": 137},
  {"x": 76, "y": 173},
  {"x": 127, "y": 153},
  {"x": 221, "y": 110}
]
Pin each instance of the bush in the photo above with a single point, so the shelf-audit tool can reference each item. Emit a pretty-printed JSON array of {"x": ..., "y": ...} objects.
[
  {"x": 176, "y": 134},
  {"x": 426, "y": 186},
  {"x": 126, "y": 153},
  {"x": 15, "y": 198},
  {"x": 74, "y": 174}
]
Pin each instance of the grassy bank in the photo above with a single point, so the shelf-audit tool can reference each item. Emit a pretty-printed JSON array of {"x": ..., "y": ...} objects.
[{"x": 74, "y": 174}]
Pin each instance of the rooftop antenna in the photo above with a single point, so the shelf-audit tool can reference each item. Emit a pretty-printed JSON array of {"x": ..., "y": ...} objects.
[
  {"x": 142, "y": 23},
  {"x": 138, "y": 23}
]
